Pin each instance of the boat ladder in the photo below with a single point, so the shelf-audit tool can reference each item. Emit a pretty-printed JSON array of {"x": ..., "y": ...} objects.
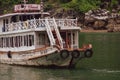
[
  {"x": 53, "y": 36},
  {"x": 49, "y": 32},
  {"x": 57, "y": 33}
]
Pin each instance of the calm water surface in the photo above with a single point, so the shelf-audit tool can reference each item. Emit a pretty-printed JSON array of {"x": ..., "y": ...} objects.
[{"x": 104, "y": 65}]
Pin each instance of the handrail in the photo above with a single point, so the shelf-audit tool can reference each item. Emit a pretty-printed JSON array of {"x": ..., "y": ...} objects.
[
  {"x": 38, "y": 23},
  {"x": 49, "y": 32},
  {"x": 58, "y": 33}
]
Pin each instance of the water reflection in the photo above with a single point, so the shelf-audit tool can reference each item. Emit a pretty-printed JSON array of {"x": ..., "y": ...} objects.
[
  {"x": 8, "y": 72},
  {"x": 104, "y": 65}
]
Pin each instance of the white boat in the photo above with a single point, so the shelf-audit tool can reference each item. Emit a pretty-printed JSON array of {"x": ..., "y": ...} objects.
[{"x": 28, "y": 37}]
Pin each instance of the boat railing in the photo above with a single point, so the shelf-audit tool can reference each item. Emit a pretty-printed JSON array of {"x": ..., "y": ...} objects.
[
  {"x": 39, "y": 23},
  {"x": 66, "y": 22}
]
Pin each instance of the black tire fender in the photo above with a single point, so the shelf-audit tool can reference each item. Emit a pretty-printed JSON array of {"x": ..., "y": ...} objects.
[
  {"x": 64, "y": 54},
  {"x": 75, "y": 54},
  {"x": 88, "y": 53},
  {"x": 9, "y": 54}
]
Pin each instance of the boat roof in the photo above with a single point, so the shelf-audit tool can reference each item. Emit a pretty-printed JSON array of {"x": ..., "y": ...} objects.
[{"x": 24, "y": 13}]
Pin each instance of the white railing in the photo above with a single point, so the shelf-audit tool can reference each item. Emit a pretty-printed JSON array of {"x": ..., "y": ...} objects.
[
  {"x": 49, "y": 32},
  {"x": 39, "y": 23},
  {"x": 58, "y": 33},
  {"x": 66, "y": 22}
]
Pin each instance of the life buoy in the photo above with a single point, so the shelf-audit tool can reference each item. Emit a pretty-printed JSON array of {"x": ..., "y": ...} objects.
[
  {"x": 64, "y": 54},
  {"x": 75, "y": 54},
  {"x": 26, "y": 24},
  {"x": 9, "y": 54},
  {"x": 88, "y": 53}
]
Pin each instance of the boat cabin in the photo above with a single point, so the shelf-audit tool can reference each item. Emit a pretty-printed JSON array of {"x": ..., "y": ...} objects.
[{"x": 27, "y": 29}]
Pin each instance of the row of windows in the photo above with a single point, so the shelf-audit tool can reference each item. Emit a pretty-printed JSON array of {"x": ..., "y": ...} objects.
[{"x": 17, "y": 41}]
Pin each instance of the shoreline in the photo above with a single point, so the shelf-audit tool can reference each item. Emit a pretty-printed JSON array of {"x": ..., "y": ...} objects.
[{"x": 99, "y": 31}]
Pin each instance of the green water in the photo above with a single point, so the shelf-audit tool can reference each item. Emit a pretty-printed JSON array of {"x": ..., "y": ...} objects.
[
  {"x": 104, "y": 65},
  {"x": 106, "y": 47}
]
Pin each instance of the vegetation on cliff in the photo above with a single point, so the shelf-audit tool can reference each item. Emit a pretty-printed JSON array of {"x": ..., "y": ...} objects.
[
  {"x": 75, "y": 9},
  {"x": 77, "y": 5}
]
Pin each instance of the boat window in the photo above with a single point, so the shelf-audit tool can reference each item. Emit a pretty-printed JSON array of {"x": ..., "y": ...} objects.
[
  {"x": 0, "y": 42},
  {"x": 25, "y": 17},
  {"x": 37, "y": 16},
  {"x": 17, "y": 41},
  {"x": 73, "y": 38},
  {"x": 25, "y": 41},
  {"x": 11, "y": 41},
  {"x": 21, "y": 41},
  {"x": 31, "y": 40},
  {"x": 41, "y": 39},
  {"x": 14, "y": 19},
  {"x": 69, "y": 39},
  {"x": 6, "y": 42},
  {"x": 27, "y": 37},
  {"x": 21, "y": 18},
  {"x": 28, "y": 40},
  {"x": 3, "y": 42},
  {"x": 5, "y": 22},
  {"x": 3, "y": 26}
]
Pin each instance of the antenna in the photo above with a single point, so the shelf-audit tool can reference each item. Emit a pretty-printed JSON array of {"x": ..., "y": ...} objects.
[
  {"x": 25, "y": 1},
  {"x": 23, "y": 5},
  {"x": 41, "y": 6}
]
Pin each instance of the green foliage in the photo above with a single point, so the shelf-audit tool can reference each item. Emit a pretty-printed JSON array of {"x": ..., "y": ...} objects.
[
  {"x": 86, "y": 5},
  {"x": 48, "y": 7},
  {"x": 114, "y": 2},
  {"x": 65, "y": 1},
  {"x": 77, "y": 5},
  {"x": 82, "y": 5}
]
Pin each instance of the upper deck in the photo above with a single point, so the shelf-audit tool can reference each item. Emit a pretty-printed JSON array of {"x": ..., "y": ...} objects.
[
  {"x": 30, "y": 28},
  {"x": 30, "y": 17},
  {"x": 39, "y": 25}
]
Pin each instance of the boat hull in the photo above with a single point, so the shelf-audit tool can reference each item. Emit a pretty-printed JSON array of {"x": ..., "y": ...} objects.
[
  {"x": 51, "y": 60},
  {"x": 45, "y": 57},
  {"x": 38, "y": 59}
]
